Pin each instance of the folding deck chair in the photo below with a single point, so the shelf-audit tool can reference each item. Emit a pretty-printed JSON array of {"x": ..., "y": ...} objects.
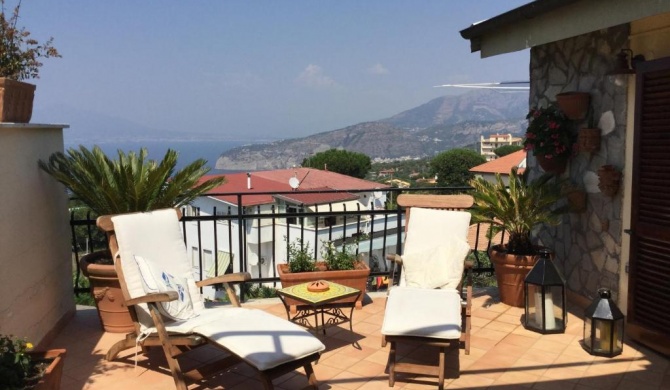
[
  {"x": 167, "y": 308},
  {"x": 429, "y": 305}
]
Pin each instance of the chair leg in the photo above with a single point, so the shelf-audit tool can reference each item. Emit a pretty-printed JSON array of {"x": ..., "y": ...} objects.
[
  {"x": 391, "y": 364},
  {"x": 267, "y": 382},
  {"x": 311, "y": 378},
  {"x": 121, "y": 345},
  {"x": 175, "y": 369},
  {"x": 440, "y": 375}
]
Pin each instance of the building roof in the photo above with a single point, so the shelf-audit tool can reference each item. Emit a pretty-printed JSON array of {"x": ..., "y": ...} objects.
[
  {"x": 543, "y": 21},
  {"x": 310, "y": 179},
  {"x": 503, "y": 164}
]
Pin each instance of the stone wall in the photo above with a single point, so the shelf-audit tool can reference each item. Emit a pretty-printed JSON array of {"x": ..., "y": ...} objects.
[{"x": 587, "y": 244}]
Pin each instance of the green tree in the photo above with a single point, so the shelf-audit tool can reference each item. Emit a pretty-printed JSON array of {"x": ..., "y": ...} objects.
[
  {"x": 507, "y": 149},
  {"x": 453, "y": 166},
  {"x": 340, "y": 161}
]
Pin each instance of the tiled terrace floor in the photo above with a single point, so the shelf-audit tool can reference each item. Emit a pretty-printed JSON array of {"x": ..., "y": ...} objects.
[{"x": 504, "y": 356}]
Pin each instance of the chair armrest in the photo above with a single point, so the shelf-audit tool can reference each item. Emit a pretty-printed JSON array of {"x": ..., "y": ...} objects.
[
  {"x": 239, "y": 277},
  {"x": 227, "y": 280},
  {"x": 394, "y": 258},
  {"x": 154, "y": 298}
]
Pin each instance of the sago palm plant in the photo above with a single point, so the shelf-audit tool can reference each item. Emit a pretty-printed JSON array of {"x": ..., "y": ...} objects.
[
  {"x": 517, "y": 208},
  {"x": 129, "y": 184}
]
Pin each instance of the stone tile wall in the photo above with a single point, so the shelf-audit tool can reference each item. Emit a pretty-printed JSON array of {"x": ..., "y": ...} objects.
[{"x": 588, "y": 244}]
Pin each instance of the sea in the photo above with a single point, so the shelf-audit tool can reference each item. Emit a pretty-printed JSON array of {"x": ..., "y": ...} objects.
[{"x": 188, "y": 151}]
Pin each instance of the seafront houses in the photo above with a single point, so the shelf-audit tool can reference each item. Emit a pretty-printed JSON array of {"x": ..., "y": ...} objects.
[{"x": 278, "y": 198}]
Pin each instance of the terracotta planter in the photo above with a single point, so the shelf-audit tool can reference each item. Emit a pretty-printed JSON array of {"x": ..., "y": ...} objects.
[
  {"x": 16, "y": 101},
  {"x": 574, "y": 104},
  {"x": 356, "y": 278},
  {"x": 510, "y": 270},
  {"x": 53, "y": 374},
  {"x": 610, "y": 180},
  {"x": 106, "y": 290},
  {"x": 553, "y": 165},
  {"x": 588, "y": 140},
  {"x": 576, "y": 200}
]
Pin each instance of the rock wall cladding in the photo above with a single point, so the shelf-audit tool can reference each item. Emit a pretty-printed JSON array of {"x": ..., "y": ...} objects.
[{"x": 588, "y": 243}]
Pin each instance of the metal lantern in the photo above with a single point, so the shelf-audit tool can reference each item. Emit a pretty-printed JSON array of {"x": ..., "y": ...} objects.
[
  {"x": 544, "y": 290},
  {"x": 603, "y": 326}
]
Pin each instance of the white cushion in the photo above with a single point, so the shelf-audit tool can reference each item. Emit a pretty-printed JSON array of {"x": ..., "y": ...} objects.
[
  {"x": 152, "y": 235},
  {"x": 437, "y": 267},
  {"x": 423, "y": 313},
  {"x": 429, "y": 228},
  {"x": 156, "y": 280},
  {"x": 261, "y": 339}
]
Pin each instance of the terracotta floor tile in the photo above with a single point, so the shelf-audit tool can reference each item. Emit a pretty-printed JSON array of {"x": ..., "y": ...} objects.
[{"x": 503, "y": 355}]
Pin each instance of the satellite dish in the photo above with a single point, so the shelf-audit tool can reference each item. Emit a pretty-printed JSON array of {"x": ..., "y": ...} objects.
[{"x": 294, "y": 183}]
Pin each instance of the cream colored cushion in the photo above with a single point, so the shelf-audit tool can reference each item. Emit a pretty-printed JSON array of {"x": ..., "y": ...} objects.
[
  {"x": 423, "y": 313},
  {"x": 261, "y": 339},
  {"x": 436, "y": 267},
  {"x": 429, "y": 229}
]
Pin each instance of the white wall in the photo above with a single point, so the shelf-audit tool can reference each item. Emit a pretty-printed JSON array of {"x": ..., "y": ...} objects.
[{"x": 35, "y": 255}]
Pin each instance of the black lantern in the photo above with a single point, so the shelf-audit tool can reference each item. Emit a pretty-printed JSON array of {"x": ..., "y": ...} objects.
[
  {"x": 545, "y": 297},
  {"x": 603, "y": 326}
]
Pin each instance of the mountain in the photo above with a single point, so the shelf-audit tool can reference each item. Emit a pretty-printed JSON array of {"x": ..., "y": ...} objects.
[{"x": 443, "y": 123}]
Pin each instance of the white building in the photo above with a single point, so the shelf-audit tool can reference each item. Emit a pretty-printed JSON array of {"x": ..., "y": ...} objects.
[
  {"x": 263, "y": 241},
  {"x": 493, "y": 142}
]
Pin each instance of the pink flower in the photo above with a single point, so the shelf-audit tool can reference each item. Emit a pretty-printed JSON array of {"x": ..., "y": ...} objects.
[{"x": 553, "y": 125}]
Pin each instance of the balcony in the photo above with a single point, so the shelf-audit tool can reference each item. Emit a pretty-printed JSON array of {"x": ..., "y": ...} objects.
[{"x": 504, "y": 355}]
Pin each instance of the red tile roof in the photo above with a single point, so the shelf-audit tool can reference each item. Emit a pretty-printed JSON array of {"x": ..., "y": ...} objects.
[
  {"x": 277, "y": 180},
  {"x": 502, "y": 165}
]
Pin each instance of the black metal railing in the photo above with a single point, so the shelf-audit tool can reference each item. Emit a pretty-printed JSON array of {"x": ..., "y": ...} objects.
[{"x": 235, "y": 228}]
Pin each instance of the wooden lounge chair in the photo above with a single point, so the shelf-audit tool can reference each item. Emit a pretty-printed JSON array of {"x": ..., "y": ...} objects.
[
  {"x": 430, "y": 305},
  {"x": 168, "y": 310}
]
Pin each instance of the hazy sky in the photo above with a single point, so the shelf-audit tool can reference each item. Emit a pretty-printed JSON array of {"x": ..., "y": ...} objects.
[{"x": 258, "y": 68}]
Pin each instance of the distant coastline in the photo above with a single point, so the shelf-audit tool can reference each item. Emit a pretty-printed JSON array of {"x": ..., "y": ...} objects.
[{"x": 189, "y": 151}]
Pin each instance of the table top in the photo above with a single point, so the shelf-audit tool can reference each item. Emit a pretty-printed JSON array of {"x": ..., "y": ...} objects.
[{"x": 336, "y": 291}]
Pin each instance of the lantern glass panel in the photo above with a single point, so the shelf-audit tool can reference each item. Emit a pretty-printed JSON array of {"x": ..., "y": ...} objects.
[
  {"x": 588, "y": 336},
  {"x": 553, "y": 307},
  {"x": 608, "y": 337}
]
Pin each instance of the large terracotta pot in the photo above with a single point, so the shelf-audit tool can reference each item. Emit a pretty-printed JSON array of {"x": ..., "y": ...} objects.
[
  {"x": 511, "y": 271},
  {"x": 106, "y": 290},
  {"x": 356, "y": 278},
  {"x": 16, "y": 101},
  {"x": 574, "y": 104},
  {"x": 553, "y": 165},
  {"x": 54, "y": 372}
]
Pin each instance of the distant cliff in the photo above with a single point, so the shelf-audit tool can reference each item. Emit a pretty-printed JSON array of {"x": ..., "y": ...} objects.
[{"x": 443, "y": 123}]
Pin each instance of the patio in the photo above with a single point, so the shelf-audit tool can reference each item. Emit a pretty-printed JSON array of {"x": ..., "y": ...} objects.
[{"x": 503, "y": 356}]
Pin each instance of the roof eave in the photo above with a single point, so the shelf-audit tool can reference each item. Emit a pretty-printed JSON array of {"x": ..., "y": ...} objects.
[{"x": 531, "y": 10}]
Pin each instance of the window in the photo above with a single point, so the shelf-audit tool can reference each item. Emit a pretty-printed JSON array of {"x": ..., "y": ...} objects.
[
  {"x": 195, "y": 258},
  {"x": 330, "y": 221},
  {"x": 294, "y": 220}
]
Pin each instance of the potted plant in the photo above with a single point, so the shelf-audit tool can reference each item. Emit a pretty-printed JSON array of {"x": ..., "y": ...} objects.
[
  {"x": 337, "y": 266},
  {"x": 21, "y": 368},
  {"x": 19, "y": 60},
  {"x": 588, "y": 139},
  {"x": 128, "y": 184},
  {"x": 549, "y": 138},
  {"x": 515, "y": 210}
]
